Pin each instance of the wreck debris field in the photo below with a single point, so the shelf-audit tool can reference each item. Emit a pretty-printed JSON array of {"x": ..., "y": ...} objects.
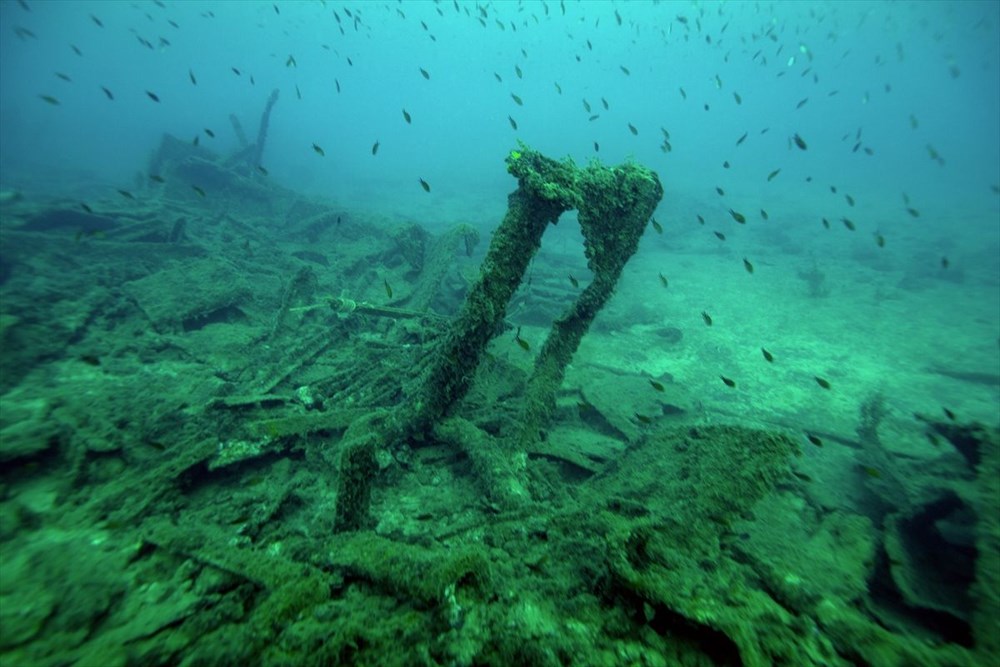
[{"x": 499, "y": 333}]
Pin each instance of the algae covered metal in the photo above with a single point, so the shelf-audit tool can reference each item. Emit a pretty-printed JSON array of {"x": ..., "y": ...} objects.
[{"x": 614, "y": 205}]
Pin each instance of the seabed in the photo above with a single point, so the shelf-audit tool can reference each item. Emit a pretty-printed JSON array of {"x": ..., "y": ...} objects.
[{"x": 242, "y": 426}]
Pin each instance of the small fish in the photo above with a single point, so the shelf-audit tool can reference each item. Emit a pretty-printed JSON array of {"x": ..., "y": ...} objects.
[
  {"x": 86, "y": 208},
  {"x": 594, "y": 117},
  {"x": 725, "y": 165},
  {"x": 872, "y": 472},
  {"x": 406, "y": 116},
  {"x": 196, "y": 140},
  {"x": 157, "y": 179},
  {"x": 770, "y": 177},
  {"x": 388, "y": 289},
  {"x": 523, "y": 344},
  {"x": 722, "y": 193},
  {"x": 573, "y": 281},
  {"x": 849, "y": 198},
  {"x": 948, "y": 413},
  {"x": 425, "y": 185},
  {"x": 664, "y": 281},
  {"x": 739, "y": 100},
  {"x": 848, "y": 223},
  {"x": 375, "y": 147},
  {"x": 108, "y": 93},
  {"x": 728, "y": 382},
  {"x": 768, "y": 357},
  {"x": 513, "y": 123},
  {"x": 945, "y": 263},
  {"x": 97, "y": 21},
  {"x": 657, "y": 226},
  {"x": 517, "y": 71},
  {"x": 701, "y": 220},
  {"x": 802, "y": 103},
  {"x": 201, "y": 193},
  {"x": 822, "y": 382},
  {"x": 631, "y": 128},
  {"x": 720, "y": 236},
  {"x": 498, "y": 77},
  {"x": 804, "y": 477},
  {"x": 625, "y": 70},
  {"x": 826, "y": 223},
  {"x": 658, "y": 386},
  {"x": 879, "y": 240},
  {"x": 747, "y": 265},
  {"x": 683, "y": 94},
  {"x": 152, "y": 96},
  {"x": 211, "y": 135},
  {"x": 643, "y": 419},
  {"x": 558, "y": 87},
  {"x": 90, "y": 360},
  {"x": 298, "y": 93},
  {"x": 424, "y": 73},
  {"x": 738, "y": 217},
  {"x": 814, "y": 439},
  {"x": 191, "y": 76},
  {"x": 319, "y": 150},
  {"x": 708, "y": 318},
  {"x": 913, "y": 212},
  {"x": 262, "y": 170},
  {"x": 337, "y": 82},
  {"x": 23, "y": 32},
  {"x": 586, "y": 106},
  {"x": 607, "y": 107},
  {"x": 800, "y": 142},
  {"x": 763, "y": 214},
  {"x": 236, "y": 71},
  {"x": 126, "y": 194},
  {"x": 597, "y": 147},
  {"x": 291, "y": 61},
  {"x": 64, "y": 77},
  {"x": 49, "y": 99},
  {"x": 742, "y": 139}
]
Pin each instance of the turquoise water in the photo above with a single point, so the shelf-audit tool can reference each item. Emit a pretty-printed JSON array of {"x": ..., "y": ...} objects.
[
  {"x": 862, "y": 66},
  {"x": 204, "y": 304}
]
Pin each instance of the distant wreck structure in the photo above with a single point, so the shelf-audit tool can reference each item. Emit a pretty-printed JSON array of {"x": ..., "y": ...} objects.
[
  {"x": 614, "y": 205},
  {"x": 189, "y": 171}
]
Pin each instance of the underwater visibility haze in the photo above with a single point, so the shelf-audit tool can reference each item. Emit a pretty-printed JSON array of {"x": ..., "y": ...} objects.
[{"x": 499, "y": 333}]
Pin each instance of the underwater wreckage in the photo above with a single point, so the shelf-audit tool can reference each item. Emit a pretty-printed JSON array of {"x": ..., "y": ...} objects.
[
  {"x": 614, "y": 206},
  {"x": 362, "y": 479}
]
